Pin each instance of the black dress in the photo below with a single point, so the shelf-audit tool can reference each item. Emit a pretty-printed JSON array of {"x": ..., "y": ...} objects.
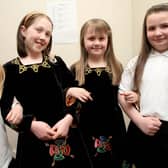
[
  {"x": 40, "y": 89},
  {"x": 101, "y": 122}
]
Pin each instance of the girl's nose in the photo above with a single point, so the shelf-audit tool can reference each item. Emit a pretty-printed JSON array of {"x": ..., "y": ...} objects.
[
  {"x": 158, "y": 32},
  {"x": 97, "y": 41},
  {"x": 42, "y": 36}
]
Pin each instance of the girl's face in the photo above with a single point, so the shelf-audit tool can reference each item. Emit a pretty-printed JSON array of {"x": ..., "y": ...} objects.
[
  {"x": 37, "y": 35},
  {"x": 95, "y": 43},
  {"x": 157, "y": 30}
]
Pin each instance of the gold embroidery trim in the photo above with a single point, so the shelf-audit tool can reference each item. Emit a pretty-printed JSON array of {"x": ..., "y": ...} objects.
[
  {"x": 98, "y": 71},
  {"x": 35, "y": 67}
]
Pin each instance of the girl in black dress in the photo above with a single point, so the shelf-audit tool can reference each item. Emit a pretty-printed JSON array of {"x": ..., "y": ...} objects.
[
  {"x": 101, "y": 121},
  {"x": 38, "y": 83}
]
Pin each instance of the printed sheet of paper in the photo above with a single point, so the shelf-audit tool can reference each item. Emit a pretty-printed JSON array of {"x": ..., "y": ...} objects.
[{"x": 63, "y": 15}]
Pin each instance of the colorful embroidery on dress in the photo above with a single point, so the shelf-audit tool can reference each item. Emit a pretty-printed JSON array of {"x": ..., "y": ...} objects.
[
  {"x": 102, "y": 144},
  {"x": 59, "y": 150}
]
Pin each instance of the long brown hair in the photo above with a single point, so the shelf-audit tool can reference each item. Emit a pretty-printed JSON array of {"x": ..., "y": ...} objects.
[
  {"x": 145, "y": 46},
  {"x": 27, "y": 21},
  {"x": 113, "y": 64}
]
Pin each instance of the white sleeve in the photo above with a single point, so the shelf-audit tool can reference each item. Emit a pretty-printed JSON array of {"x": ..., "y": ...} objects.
[
  {"x": 5, "y": 150},
  {"x": 127, "y": 77}
]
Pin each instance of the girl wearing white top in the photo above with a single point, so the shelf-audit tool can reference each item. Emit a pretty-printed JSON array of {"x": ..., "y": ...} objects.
[{"x": 147, "y": 74}]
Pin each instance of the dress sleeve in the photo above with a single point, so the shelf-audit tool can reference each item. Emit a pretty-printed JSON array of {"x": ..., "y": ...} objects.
[
  {"x": 7, "y": 94},
  {"x": 66, "y": 79},
  {"x": 73, "y": 106},
  {"x": 64, "y": 74},
  {"x": 7, "y": 98}
]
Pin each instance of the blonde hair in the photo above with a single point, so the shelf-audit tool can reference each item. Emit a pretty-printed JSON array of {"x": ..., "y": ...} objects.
[
  {"x": 113, "y": 64},
  {"x": 2, "y": 78}
]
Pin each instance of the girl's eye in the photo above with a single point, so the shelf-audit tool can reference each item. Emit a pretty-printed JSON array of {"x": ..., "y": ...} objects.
[
  {"x": 39, "y": 30},
  {"x": 91, "y": 38},
  {"x": 151, "y": 28},
  {"x": 101, "y": 38},
  {"x": 48, "y": 34},
  {"x": 164, "y": 25}
]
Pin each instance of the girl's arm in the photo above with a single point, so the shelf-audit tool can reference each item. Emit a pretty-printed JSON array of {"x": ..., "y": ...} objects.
[
  {"x": 147, "y": 124},
  {"x": 8, "y": 94}
]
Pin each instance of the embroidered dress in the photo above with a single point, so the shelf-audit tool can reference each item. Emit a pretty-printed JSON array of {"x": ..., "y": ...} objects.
[
  {"x": 39, "y": 89},
  {"x": 101, "y": 121}
]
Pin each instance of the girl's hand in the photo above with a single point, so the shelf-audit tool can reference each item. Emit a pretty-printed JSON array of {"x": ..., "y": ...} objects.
[
  {"x": 149, "y": 125},
  {"x": 15, "y": 115},
  {"x": 80, "y": 93},
  {"x": 131, "y": 96},
  {"x": 42, "y": 130},
  {"x": 61, "y": 128}
]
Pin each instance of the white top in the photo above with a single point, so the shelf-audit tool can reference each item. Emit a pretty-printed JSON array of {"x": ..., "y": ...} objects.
[
  {"x": 5, "y": 151},
  {"x": 154, "y": 86}
]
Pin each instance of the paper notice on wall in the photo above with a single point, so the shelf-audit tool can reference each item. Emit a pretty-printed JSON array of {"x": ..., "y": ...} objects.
[{"x": 64, "y": 17}]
